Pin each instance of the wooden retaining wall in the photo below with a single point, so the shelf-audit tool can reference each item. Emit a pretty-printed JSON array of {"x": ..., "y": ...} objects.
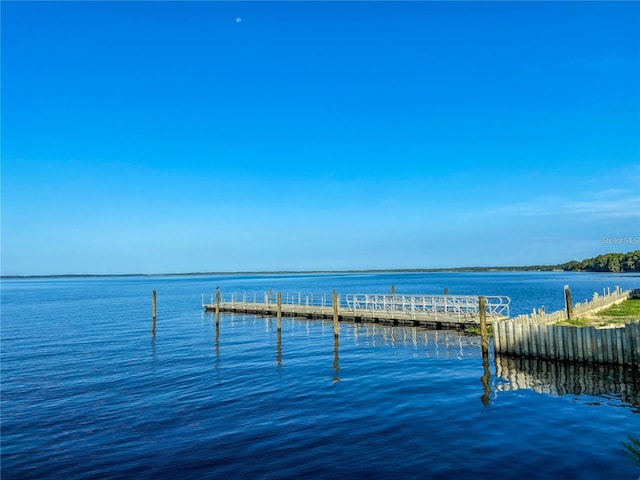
[
  {"x": 531, "y": 338},
  {"x": 597, "y": 303},
  {"x": 600, "y": 302},
  {"x": 538, "y": 334}
]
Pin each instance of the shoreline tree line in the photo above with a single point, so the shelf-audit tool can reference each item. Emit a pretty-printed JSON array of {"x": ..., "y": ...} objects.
[{"x": 608, "y": 262}]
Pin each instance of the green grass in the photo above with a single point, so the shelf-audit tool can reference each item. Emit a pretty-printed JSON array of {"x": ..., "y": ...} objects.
[
  {"x": 473, "y": 330},
  {"x": 576, "y": 322},
  {"x": 628, "y": 309},
  {"x": 620, "y": 314}
]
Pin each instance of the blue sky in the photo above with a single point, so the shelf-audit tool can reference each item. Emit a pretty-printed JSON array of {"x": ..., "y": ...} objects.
[{"x": 211, "y": 136}]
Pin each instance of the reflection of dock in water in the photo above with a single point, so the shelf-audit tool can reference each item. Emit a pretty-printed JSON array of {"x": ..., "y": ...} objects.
[
  {"x": 569, "y": 378},
  {"x": 431, "y": 343}
]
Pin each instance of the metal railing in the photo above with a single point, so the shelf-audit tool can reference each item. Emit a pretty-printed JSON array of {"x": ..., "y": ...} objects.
[
  {"x": 267, "y": 298},
  {"x": 448, "y": 304},
  {"x": 453, "y": 304}
]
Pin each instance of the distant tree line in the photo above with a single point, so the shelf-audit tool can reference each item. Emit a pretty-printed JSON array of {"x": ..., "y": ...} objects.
[{"x": 608, "y": 262}]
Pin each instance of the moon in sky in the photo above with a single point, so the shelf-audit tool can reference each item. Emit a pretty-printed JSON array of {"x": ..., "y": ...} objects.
[{"x": 238, "y": 19}]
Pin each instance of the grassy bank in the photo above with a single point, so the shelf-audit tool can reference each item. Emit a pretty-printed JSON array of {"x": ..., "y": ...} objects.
[{"x": 620, "y": 314}]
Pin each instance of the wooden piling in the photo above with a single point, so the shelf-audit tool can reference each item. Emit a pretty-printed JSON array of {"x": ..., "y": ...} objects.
[
  {"x": 153, "y": 313},
  {"x": 336, "y": 327},
  {"x": 484, "y": 332},
  {"x": 393, "y": 290},
  {"x": 279, "y": 306},
  {"x": 217, "y": 304},
  {"x": 446, "y": 291},
  {"x": 567, "y": 299}
]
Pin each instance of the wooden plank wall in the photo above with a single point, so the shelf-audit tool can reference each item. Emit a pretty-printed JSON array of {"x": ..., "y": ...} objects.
[
  {"x": 538, "y": 336},
  {"x": 619, "y": 345}
]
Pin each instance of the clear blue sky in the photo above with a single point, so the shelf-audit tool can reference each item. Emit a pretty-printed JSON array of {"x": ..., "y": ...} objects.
[{"x": 210, "y": 136}]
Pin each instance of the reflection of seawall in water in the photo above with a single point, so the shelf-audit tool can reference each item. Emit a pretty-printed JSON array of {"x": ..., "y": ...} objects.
[{"x": 568, "y": 378}]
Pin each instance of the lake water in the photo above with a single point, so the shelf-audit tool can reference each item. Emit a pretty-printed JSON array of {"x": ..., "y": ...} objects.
[{"x": 88, "y": 393}]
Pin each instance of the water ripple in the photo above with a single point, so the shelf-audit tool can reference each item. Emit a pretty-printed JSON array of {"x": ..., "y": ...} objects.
[{"x": 87, "y": 392}]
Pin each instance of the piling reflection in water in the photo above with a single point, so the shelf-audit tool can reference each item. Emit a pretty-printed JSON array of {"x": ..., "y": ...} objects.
[
  {"x": 217, "y": 343},
  {"x": 336, "y": 367},
  {"x": 279, "y": 348},
  {"x": 485, "y": 379},
  {"x": 430, "y": 343},
  {"x": 569, "y": 378},
  {"x": 439, "y": 343}
]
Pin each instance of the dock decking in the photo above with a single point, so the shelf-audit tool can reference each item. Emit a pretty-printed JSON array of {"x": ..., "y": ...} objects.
[{"x": 429, "y": 311}]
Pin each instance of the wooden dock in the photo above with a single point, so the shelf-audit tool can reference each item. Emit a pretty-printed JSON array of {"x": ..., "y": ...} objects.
[
  {"x": 441, "y": 312},
  {"x": 535, "y": 336}
]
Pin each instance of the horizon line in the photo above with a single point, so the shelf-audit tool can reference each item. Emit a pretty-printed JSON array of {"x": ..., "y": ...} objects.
[{"x": 289, "y": 272}]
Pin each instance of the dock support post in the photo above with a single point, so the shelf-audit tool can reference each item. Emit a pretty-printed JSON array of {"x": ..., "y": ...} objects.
[
  {"x": 270, "y": 295},
  {"x": 279, "y": 300},
  {"x": 336, "y": 327},
  {"x": 153, "y": 313},
  {"x": 484, "y": 332},
  {"x": 217, "y": 303},
  {"x": 567, "y": 300},
  {"x": 446, "y": 292},
  {"x": 393, "y": 290}
]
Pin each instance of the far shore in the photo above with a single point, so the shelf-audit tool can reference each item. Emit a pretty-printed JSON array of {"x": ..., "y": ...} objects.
[{"x": 305, "y": 272}]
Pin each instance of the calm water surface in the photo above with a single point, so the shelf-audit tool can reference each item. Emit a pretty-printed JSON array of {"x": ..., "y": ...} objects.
[{"x": 86, "y": 391}]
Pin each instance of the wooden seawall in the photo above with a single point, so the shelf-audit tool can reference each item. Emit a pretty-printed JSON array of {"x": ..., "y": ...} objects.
[
  {"x": 539, "y": 336},
  {"x": 428, "y": 311},
  {"x": 561, "y": 342}
]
